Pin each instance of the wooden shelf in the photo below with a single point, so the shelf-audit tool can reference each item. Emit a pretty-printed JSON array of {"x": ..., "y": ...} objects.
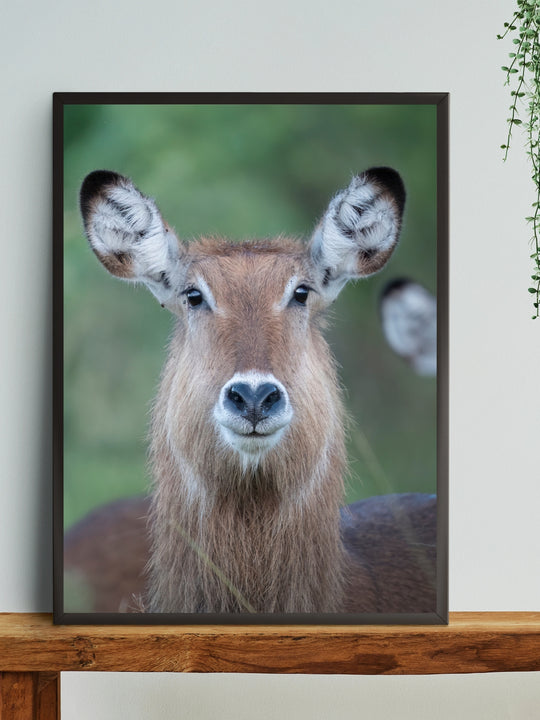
[{"x": 472, "y": 642}]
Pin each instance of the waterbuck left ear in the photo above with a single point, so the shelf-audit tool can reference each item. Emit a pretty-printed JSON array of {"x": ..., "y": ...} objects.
[
  {"x": 359, "y": 230},
  {"x": 128, "y": 235}
]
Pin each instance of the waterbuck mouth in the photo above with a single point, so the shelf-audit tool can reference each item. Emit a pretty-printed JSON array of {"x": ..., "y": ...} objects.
[{"x": 252, "y": 443}]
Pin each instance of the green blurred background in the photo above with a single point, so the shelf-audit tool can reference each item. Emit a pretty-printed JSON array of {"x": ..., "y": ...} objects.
[{"x": 241, "y": 171}]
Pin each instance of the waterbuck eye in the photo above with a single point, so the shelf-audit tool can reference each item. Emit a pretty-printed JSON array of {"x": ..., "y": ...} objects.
[
  {"x": 300, "y": 294},
  {"x": 194, "y": 297}
]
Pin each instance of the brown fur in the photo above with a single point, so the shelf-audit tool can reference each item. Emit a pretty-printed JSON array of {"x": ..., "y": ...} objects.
[
  {"x": 272, "y": 532},
  {"x": 119, "y": 264},
  {"x": 105, "y": 554},
  {"x": 230, "y": 533},
  {"x": 389, "y": 567}
]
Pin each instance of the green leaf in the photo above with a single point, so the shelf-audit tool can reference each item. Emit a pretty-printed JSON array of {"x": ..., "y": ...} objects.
[{"x": 532, "y": 290}]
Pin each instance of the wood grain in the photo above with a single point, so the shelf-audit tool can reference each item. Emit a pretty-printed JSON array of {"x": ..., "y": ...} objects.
[
  {"x": 472, "y": 642},
  {"x": 18, "y": 695},
  {"x": 29, "y": 696},
  {"x": 48, "y": 696}
]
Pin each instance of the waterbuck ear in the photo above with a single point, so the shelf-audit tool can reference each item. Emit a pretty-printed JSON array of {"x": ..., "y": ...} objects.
[
  {"x": 127, "y": 233},
  {"x": 359, "y": 230},
  {"x": 409, "y": 322}
]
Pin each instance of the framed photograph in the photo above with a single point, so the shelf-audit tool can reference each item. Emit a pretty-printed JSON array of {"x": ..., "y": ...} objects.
[{"x": 251, "y": 375}]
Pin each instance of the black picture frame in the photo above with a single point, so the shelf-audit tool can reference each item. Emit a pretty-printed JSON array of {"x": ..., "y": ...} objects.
[{"x": 439, "y": 102}]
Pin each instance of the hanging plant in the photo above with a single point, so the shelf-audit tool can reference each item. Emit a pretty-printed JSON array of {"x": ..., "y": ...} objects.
[{"x": 523, "y": 77}]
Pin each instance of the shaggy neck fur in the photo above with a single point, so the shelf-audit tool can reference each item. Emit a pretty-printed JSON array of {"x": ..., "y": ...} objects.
[{"x": 265, "y": 540}]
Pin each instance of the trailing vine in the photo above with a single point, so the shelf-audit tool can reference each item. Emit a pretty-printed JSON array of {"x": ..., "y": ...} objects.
[{"x": 523, "y": 76}]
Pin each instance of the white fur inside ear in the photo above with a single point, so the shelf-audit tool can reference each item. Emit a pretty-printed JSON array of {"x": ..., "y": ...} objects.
[
  {"x": 120, "y": 218},
  {"x": 125, "y": 221},
  {"x": 363, "y": 219}
]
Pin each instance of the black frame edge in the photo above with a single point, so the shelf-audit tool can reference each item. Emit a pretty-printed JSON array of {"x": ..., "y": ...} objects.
[
  {"x": 441, "y": 101},
  {"x": 179, "y": 619},
  {"x": 443, "y": 272},
  {"x": 241, "y": 98},
  {"x": 58, "y": 360}
]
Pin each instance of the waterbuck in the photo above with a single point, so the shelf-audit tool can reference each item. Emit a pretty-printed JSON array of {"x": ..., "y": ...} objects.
[{"x": 247, "y": 434}]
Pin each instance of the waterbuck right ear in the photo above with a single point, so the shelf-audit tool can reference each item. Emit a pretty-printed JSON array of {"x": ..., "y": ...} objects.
[
  {"x": 359, "y": 230},
  {"x": 127, "y": 233}
]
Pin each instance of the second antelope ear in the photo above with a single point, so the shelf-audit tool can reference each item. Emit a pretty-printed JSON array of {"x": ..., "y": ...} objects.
[
  {"x": 128, "y": 235},
  {"x": 409, "y": 322},
  {"x": 359, "y": 230}
]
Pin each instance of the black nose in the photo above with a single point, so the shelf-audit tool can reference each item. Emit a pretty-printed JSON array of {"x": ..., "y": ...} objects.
[{"x": 254, "y": 404}]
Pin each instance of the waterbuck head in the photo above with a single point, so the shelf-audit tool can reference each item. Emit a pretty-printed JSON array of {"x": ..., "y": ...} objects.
[{"x": 249, "y": 381}]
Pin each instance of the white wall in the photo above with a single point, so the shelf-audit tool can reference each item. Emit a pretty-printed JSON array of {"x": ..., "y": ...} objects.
[{"x": 345, "y": 45}]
